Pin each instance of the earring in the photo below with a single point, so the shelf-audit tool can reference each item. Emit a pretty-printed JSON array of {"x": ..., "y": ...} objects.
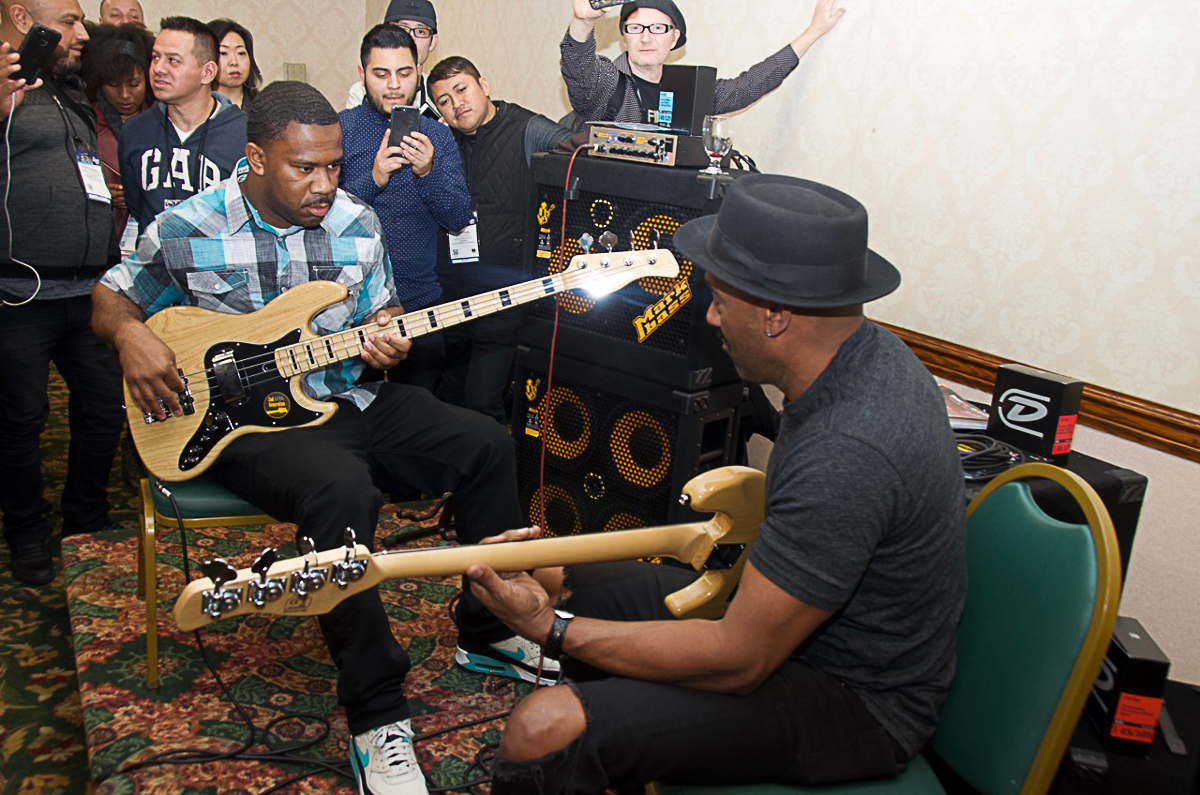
[{"x": 768, "y": 332}]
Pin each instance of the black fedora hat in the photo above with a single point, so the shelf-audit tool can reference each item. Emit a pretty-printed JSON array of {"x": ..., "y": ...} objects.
[{"x": 789, "y": 240}]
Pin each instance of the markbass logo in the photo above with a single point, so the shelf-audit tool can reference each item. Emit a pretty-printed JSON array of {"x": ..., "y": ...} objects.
[
  {"x": 661, "y": 311},
  {"x": 544, "y": 212}
]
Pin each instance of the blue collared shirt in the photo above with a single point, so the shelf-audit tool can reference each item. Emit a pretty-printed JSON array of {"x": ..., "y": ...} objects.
[
  {"x": 412, "y": 210},
  {"x": 214, "y": 251}
]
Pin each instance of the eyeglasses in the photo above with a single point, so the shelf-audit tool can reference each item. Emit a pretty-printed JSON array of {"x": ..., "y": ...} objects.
[
  {"x": 658, "y": 28},
  {"x": 419, "y": 32}
]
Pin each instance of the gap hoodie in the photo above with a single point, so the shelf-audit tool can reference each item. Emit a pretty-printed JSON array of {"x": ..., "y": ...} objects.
[{"x": 160, "y": 171}]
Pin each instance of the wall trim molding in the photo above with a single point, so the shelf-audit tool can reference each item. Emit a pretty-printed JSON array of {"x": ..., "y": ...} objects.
[{"x": 1141, "y": 421}]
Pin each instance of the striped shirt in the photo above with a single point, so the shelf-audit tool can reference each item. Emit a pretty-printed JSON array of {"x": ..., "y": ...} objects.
[{"x": 215, "y": 251}]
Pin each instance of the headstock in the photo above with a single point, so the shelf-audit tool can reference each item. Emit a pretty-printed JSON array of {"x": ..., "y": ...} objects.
[
  {"x": 608, "y": 271},
  {"x": 311, "y": 584}
]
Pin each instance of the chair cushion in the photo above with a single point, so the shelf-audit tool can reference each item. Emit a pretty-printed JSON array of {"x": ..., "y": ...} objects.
[
  {"x": 919, "y": 779},
  {"x": 202, "y": 498}
]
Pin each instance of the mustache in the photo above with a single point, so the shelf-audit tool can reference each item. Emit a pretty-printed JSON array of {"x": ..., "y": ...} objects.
[{"x": 319, "y": 199}]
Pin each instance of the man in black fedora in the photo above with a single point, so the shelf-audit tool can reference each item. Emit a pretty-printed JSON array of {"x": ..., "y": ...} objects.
[{"x": 837, "y": 650}]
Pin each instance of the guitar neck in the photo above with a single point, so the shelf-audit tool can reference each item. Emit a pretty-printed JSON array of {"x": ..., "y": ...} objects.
[
  {"x": 304, "y": 357},
  {"x": 688, "y": 543}
]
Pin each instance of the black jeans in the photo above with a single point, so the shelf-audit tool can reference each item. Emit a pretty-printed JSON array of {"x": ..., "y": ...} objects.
[
  {"x": 329, "y": 477},
  {"x": 31, "y": 337},
  {"x": 479, "y": 354},
  {"x": 801, "y": 726}
]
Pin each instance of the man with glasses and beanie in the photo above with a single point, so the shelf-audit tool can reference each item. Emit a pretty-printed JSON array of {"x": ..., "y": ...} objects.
[
  {"x": 419, "y": 18},
  {"x": 837, "y": 650},
  {"x": 623, "y": 90}
]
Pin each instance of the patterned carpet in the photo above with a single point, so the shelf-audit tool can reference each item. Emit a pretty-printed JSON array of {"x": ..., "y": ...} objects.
[
  {"x": 274, "y": 667},
  {"x": 41, "y": 721}
]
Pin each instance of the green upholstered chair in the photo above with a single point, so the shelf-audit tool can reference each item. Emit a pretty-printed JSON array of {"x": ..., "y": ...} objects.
[
  {"x": 202, "y": 503},
  {"x": 1041, "y": 602}
]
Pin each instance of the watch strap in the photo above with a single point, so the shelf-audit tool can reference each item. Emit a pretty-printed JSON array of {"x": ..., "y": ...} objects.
[{"x": 552, "y": 648}]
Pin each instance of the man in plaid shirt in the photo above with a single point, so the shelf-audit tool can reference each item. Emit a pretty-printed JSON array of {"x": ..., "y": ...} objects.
[{"x": 232, "y": 249}]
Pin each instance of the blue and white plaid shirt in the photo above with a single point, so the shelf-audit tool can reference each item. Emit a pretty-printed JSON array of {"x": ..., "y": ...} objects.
[{"x": 214, "y": 251}]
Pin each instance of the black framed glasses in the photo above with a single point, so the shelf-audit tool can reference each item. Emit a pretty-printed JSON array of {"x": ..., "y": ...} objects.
[
  {"x": 418, "y": 32},
  {"x": 658, "y": 28}
]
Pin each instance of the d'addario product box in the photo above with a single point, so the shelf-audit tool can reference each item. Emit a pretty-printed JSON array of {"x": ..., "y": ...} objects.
[
  {"x": 1035, "y": 410},
  {"x": 1127, "y": 695}
]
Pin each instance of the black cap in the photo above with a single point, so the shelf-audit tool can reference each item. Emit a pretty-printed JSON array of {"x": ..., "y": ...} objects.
[
  {"x": 415, "y": 10},
  {"x": 665, "y": 6}
]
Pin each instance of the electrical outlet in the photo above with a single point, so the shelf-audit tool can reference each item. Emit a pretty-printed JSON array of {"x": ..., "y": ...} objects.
[{"x": 295, "y": 71}]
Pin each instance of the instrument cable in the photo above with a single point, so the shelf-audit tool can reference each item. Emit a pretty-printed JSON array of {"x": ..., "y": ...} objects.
[
  {"x": 983, "y": 457},
  {"x": 291, "y": 754},
  {"x": 569, "y": 192}
]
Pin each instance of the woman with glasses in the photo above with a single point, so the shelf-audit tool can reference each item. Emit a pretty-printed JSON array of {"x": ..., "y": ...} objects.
[
  {"x": 623, "y": 90},
  {"x": 238, "y": 75},
  {"x": 419, "y": 18}
]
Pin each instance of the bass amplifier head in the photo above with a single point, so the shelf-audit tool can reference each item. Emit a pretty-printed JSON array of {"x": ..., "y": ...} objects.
[{"x": 655, "y": 327}]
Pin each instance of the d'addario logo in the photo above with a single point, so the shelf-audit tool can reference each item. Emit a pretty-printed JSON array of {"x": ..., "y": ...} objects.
[{"x": 1019, "y": 408}]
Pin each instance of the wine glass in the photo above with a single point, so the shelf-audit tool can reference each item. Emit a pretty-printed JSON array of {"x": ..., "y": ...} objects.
[{"x": 718, "y": 139}]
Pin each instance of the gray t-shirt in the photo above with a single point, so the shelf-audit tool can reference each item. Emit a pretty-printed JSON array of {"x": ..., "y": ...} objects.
[{"x": 865, "y": 518}]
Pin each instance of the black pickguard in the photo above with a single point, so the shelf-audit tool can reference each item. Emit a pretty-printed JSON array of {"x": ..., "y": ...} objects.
[{"x": 266, "y": 402}]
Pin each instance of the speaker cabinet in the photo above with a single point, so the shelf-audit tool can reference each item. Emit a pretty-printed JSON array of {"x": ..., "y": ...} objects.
[
  {"x": 654, "y": 327},
  {"x": 618, "y": 449}
]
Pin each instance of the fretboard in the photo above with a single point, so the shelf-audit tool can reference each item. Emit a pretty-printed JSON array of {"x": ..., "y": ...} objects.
[{"x": 323, "y": 351}]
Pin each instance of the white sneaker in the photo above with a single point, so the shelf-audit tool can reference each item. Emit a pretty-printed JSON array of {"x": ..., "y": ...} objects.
[
  {"x": 516, "y": 658},
  {"x": 385, "y": 762}
]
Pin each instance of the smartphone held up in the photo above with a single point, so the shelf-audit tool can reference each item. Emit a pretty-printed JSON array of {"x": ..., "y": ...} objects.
[
  {"x": 36, "y": 54},
  {"x": 405, "y": 120}
]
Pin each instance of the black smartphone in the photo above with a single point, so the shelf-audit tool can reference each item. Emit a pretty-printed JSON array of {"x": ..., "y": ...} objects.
[
  {"x": 599, "y": 4},
  {"x": 37, "y": 53},
  {"x": 405, "y": 120}
]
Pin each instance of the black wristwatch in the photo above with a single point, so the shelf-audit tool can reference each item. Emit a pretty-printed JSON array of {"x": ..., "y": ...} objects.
[{"x": 552, "y": 648}]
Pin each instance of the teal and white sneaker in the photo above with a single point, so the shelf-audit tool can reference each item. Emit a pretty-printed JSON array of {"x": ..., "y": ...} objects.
[
  {"x": 385, "y": 763},
  {"x": 516, "y": 658}
]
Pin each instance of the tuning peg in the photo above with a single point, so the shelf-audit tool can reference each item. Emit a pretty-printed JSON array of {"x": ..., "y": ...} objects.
[
  {"x": 306, "y": 545},
  {"x": 585, "y": 242},
  {"x": 349, "y": 537},
  {"x": 608, "y": 240},
  {"x": 218, "y": 571},
  {"x": 220, "y": 599},
  {"x": 347, "y": 571},
  {"x": 265, "y": 589},
  {"x": 654, "y": 238},
  {"x": 264, "y": 562}
]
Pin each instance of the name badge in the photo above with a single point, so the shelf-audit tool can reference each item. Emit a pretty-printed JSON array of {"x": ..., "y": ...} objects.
[
  {"x": 93, "y": 177},
  {"x": 464, "y": 247},
  {"x": 129, "y": 238}
]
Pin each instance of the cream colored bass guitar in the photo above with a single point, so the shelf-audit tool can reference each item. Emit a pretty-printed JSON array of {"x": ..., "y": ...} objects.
[
  {"x": 316, "y": 582},
  {"x": 242, "y": 373}
]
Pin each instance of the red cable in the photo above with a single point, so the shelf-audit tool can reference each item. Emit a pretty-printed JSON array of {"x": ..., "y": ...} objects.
[{"x": 553, "y": 341}]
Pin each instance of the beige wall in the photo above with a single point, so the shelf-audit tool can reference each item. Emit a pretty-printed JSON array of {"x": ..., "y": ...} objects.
[
  {"x": 1032, "y": 168},
  {"x": 323, "y": 34}
]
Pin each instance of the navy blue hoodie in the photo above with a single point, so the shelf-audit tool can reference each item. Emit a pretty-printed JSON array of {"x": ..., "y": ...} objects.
[{"x": 158, "y": 170}]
